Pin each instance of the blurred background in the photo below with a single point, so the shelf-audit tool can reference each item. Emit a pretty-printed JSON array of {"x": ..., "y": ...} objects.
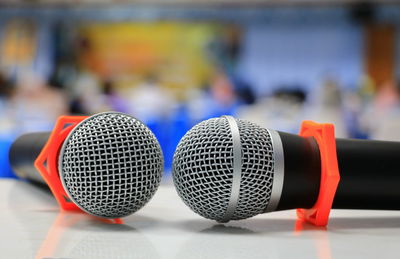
[{"x": 174, "y": 63}]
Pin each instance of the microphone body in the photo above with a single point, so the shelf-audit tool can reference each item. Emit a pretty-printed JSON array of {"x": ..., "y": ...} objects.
[
  {"x": 302, "y": 172},
  {"x": 369, "y": 174},
  {"x": 23, "y": 153}
]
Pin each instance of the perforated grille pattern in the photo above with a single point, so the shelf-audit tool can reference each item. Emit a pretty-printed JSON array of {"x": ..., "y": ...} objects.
[
  {"x": 257, "y": 170},
  {"x": 111, "y": 165},
  {"x": 203, "y": 169}
]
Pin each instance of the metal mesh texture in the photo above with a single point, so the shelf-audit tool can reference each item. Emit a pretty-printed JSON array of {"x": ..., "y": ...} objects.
[
  {"x": 111, "y": 165},
  {"x": 203, "y": 169}
]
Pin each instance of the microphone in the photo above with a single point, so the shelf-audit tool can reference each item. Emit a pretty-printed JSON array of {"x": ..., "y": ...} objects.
[
  {"x": 231, "y": 169},
  {"x": 108, "y": 165}
]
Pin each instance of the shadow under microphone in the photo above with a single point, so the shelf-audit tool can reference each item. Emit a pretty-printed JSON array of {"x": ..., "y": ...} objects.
[
  {"x": 108, "y": 165},
  {"x": 230, "y": 169}
]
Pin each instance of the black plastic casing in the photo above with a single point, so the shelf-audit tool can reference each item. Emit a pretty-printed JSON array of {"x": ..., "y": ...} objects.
[
  {"x": 23, "y": 153},
  {"x": 302, "y": 172},
  {"x": 369, "y": 174}
]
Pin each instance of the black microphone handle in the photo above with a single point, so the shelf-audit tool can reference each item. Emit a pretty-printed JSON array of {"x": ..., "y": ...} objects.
[
  {"x": 23, "y": 153},
  {"x": 369, "y": 175},
  {"x": 302, "y": 172}
]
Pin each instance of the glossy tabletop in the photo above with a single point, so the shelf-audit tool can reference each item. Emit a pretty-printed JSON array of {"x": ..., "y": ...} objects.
[{"x": 31, "y": 226}]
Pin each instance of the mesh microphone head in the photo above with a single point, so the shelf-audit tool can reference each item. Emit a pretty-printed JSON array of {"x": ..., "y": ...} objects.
[
  {"x": 203, "y": 169},
  {"x": 110, "y": 165}
]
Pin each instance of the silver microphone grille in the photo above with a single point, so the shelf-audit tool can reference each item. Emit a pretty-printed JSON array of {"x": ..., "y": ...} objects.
[
  {"x": 203, "y": 169},
  {"x": 110, "y": 165}
]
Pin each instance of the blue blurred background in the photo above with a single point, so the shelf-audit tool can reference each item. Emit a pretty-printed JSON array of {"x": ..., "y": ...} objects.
[{"x": 172, "y": 64}]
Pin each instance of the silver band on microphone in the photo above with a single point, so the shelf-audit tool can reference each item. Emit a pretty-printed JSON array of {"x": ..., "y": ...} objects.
[
  {"x": 237, "y": 169},
  {"x": 279, "y": 167}
]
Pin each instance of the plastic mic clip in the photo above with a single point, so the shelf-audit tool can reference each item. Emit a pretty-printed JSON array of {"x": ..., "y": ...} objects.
[
  {"x": 324, "y": 134},
  {"x": 47, "y": 161}
]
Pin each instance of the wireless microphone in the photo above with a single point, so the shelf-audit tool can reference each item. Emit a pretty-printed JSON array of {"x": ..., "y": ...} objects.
[
  {"x": 231, "y": 169},
  {"x": 108, "y": 165}
]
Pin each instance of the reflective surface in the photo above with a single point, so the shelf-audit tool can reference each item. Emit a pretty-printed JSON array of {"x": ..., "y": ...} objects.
[{"x": 31, "y": 226}]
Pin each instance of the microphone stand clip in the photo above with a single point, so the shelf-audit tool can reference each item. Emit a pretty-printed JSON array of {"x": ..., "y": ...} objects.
[
  {"x": 324, "y": 134},
  {"x": 47, "y": 161}
]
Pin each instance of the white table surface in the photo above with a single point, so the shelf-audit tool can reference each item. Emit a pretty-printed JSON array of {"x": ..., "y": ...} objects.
[{"x": 31, "y": 226}]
